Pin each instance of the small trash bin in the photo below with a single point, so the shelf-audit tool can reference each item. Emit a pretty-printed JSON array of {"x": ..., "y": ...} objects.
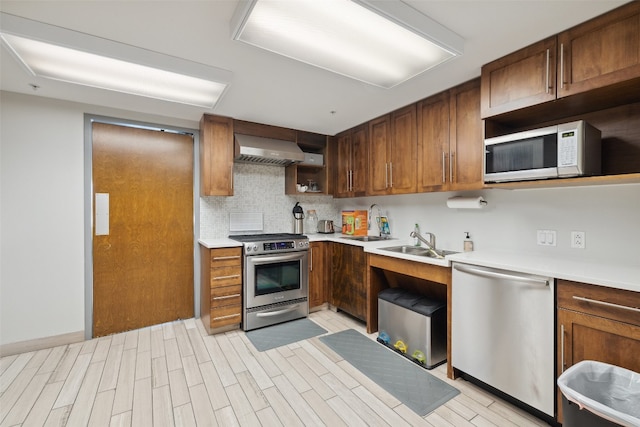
[
  {"x": 596, "y": 394},
  {"x": 413, "y": 325}
]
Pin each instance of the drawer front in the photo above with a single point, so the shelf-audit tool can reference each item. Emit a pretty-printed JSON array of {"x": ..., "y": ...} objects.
[
  {"x": 224, "y": 316},
  {"x": 225, "y": 276},
  {"x": 610, "y": 303},
  {"x": 227, "y": 295},
  {"x": 226, "y": 257}
]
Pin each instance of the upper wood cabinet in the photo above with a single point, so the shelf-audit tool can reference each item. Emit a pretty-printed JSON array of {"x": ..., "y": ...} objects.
[
  {"x": 466, "y": 141},
  {"x": 521, "y": 79},
  {"x": 603, "y": 53},
  {"x": 450, "y": 140},
  {"x": 392, "y": 153},
  {"x": 350, "y": 171},
  {"x": 216, "y": 156}
]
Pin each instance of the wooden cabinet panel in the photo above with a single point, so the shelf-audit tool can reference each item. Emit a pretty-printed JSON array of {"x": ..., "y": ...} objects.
[
  {"x": 226, "y": 296},
  {"x": 433, "y": 142},
  {"x": 450, "y": 140},
  {"x": 597, "y": 323},
  {"x": 317, "y": 274},
  {"x": 601, "y": 52},
  {"x": 392, "y": 153},
  {"x": 351, "y": 162},
  {"x": 216, "y": 156},
  {"x": 348, "y": 279},
  {"x": 521, "y": 79},
  {"x": 221, "y": 287},
  {"x": 466, "y": 143}
]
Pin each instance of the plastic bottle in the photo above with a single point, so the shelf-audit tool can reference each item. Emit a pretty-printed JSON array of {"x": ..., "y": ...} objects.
[
  {"x": 312, "y": 222},
  {"x": 468, "y": 243},
  {"x": 416, "y": 241}
]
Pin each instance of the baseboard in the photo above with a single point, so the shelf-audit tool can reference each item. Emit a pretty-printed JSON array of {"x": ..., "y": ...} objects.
[{"x": 40, "y": 343}]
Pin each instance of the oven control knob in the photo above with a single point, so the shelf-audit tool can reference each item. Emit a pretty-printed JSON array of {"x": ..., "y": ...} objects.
[
  {"x": 254, "y": 247},
  {"x": 248, "y": 248}
]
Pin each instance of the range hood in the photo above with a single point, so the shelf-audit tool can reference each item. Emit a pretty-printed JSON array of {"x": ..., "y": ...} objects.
[{"x": 266, "y": 151}]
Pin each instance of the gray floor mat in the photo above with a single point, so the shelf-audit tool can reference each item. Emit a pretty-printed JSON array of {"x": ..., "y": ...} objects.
[
  {"x": 409, "y": 383},
  {"x": 284, "y": 334}
]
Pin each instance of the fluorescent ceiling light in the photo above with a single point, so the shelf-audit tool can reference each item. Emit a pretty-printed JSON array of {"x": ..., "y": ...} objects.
[
  {"x": 58, "y": 61},
  {"x": 381, "y": 42}
]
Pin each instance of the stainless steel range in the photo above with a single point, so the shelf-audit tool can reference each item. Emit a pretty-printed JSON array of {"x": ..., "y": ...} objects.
[{"x": 275, "y": 280}]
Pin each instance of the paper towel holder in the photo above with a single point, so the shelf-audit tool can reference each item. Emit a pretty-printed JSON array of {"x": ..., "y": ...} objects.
[{"x": 459, "y": 202}]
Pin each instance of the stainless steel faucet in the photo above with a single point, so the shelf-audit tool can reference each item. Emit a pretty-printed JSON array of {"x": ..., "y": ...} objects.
[{"x": 431, "y": 243}]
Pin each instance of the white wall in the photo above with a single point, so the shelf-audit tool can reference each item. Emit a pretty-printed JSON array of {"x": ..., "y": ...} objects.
[
  {"x": 41, "y": 214},
  {"x": 610, "y": 216}
]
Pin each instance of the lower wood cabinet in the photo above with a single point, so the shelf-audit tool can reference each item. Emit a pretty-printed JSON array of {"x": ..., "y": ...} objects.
[
  {"x": 348, "y": 279},
  {"x": 597, "y": 323},
  {"x": 318, "y": 262},
  {"x": 221, "y": 287}
]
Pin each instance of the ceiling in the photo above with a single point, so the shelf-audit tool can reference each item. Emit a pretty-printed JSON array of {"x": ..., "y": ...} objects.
[{"x": 267, "y": 88}]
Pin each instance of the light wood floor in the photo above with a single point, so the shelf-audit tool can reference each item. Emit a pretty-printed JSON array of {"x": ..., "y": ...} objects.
[{"x": 175, "y": 374}]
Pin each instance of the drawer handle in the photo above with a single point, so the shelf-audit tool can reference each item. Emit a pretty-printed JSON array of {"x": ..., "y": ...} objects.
[
  {"x": 608, "y": 304},
  {"x": 219, "y": 258},
  {"x": 227, "y": 296},
  {"x": 226, "y": 317},
  {"x": 233, "y": 276}
]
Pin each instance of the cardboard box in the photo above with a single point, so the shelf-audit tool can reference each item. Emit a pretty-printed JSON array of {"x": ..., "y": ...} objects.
[{"x": 354, "y": 223}]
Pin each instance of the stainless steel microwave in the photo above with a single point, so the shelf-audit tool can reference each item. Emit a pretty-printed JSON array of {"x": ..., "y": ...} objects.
[{"x": 565, "y": 150}]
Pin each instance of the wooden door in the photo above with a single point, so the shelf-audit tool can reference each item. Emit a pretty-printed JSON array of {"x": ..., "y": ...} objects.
[
  {"x": 433, "y": 142},
  {"x": 600, "y": 52},
  {"x": 466, "y": 145},
  {"x": 143, "y": 264},
  {"x": 402, "y": 153}
]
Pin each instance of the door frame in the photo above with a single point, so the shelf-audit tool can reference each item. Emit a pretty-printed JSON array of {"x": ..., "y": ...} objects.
[{"x": 89, "y": 119}]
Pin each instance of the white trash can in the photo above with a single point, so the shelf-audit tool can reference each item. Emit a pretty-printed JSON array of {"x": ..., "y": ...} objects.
[{"x": 597, "y": 394}]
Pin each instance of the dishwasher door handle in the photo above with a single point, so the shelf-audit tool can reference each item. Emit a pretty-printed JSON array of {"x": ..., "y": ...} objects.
[{"x": 495, "y": 274}]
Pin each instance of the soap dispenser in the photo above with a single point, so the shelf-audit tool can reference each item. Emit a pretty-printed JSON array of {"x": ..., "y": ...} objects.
[{"x": 468, "y": 243}]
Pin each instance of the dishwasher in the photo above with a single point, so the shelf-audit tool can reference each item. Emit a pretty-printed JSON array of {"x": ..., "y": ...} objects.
[{"x": 502, "y": 332}]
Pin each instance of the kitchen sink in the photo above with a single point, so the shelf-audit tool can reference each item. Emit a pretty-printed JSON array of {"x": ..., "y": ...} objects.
[
  {"x": 419, "y": 250},
  {"x": 366, "y": 238}
]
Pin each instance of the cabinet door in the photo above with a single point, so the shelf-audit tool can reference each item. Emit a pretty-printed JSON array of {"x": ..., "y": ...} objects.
[
  {"x": 402, "y": 151},
  {"x": 348, "y": 282},
  {"x": 433, "y": 142},
  {"x": 466, "y": 144},
  {"x": 317, "y": 274},
  {"x": 521, "y": 79},
  {"x": 342, "y": 175},
  {"x": 600, "y": 52},
  {"x": 585, "y": 337},
  {"x": 359, "y": 166},
  {"x": 379, "y": 138},
  {"x": 216, "y": 156}
]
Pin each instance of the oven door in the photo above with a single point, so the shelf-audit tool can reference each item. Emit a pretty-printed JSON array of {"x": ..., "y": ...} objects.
[
  {"x": 522, "y": 156},
  {"x": 270, "y": 279}
]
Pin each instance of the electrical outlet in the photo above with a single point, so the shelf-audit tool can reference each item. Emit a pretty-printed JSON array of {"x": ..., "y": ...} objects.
[
  {"x": 546, "y": 237},
  {"x": 578, "y": 239}
]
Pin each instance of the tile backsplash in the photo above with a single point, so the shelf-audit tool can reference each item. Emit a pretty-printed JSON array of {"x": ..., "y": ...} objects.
[{"x": 259, "y": 189}]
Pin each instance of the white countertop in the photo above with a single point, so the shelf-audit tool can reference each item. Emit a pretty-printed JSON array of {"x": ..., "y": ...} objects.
[
  {"x": 610, "y": 274},
  {"x": 606, "y": 273},
  {"x": 219, "y": 243}
]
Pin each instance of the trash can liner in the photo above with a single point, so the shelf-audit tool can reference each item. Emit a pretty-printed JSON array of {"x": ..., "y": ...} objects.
[{"x": 609, "y": 391}]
